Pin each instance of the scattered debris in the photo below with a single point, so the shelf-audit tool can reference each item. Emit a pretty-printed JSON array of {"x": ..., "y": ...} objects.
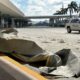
[
  {"x": 63, "y": 63},
  {"x": 46, "y": 42},
  {"x": 61, "y": 41},
  {"x": 53, "y": 40},
  {"x": 78, "y": 41},
  {"x": 10, "y": 30},
  {"x": 77, "y": 48},
  {"x": 39, "y": 37}
]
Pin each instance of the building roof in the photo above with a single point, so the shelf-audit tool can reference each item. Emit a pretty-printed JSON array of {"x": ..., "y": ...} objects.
[{"x": 6, "y": 7}]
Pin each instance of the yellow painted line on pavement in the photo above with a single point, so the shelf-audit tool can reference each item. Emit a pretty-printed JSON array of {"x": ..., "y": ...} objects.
[{"x": 33, "y": 73}]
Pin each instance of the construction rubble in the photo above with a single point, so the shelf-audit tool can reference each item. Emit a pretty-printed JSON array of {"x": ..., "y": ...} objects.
[{"x": 64, "y": 64}]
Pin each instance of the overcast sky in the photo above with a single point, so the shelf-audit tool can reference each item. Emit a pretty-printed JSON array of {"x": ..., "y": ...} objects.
[{"x": 40, "y": 7}]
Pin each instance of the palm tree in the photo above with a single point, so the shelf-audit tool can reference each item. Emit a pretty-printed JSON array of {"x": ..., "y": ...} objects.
[
  {"x": 78, "y": 10},
  {"x": 64, "y": 10},
  {"x": 57, "y": 12},
  {"x": 72, "y": 7}
]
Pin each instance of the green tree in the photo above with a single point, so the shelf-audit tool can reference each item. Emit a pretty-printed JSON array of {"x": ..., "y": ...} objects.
[
  {"x": 72, "y": 7},
  {"x": 62, "y": 11},
  {"x": 78, "y": 10}
]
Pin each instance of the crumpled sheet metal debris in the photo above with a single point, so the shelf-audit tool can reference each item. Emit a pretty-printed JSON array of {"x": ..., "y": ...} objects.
[{"x": 63, "y": 63}]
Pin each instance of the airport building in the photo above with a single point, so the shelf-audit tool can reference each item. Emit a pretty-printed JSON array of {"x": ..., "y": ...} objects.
[{"x": 10, "y": 15}]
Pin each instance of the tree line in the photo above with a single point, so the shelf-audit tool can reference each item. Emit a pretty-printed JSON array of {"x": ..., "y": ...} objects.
[{"x": 72, "y": 7}]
